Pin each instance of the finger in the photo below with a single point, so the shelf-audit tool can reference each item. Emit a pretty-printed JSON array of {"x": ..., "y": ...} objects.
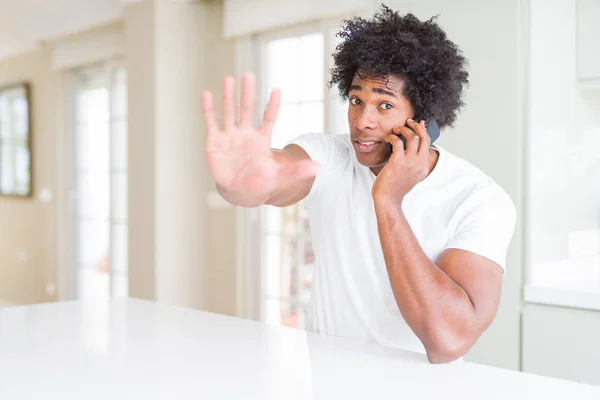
[
  {"x": 228, "y": 105},
  {"x": 210, "y": 117},
  {"x": 421, "y": 132},
  {"x": 270, "y": 114},
  {"x": 410, "y": 152},
  {"x": 410, "y": 136},
  {"x": 302, "y": 169},
  {"x": 397, "y": 144},
  {"x": 405, "y": 131},
  {"x": 412, "y": 145},
  {"x": 248, "y": 99}
]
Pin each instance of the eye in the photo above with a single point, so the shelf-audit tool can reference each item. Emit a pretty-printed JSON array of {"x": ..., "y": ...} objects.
[
  {"x": 386, "y": 106},
  {"x": 354, "y": 101}
]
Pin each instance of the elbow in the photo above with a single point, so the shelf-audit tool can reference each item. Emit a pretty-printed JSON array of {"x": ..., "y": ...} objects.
[
  {"x": 446, "y": 346},
  {"x": 444, "y": 355}
]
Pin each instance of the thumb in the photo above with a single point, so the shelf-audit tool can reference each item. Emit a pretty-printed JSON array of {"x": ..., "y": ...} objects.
[{"x": 299, "y": 170}]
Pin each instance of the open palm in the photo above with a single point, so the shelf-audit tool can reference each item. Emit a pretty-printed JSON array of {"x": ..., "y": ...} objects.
[{"x": 239, "y": 155}]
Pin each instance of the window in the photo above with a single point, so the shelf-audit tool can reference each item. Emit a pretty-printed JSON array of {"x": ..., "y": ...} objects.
[
  {"x": 100, "y": 181},
  {"x": 297, "y": 64},
  {"x": 15, "y": 140}
]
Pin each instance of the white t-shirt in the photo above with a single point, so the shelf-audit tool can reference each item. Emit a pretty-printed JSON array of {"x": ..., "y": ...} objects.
[{"x": 456, "y": 206}]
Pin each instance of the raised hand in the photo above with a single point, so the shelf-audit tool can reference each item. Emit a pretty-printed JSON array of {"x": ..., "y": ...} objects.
[{"x": 238, "y": 154}]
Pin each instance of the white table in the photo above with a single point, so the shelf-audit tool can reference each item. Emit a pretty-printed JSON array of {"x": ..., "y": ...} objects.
[{"x": 126, "y": 348}]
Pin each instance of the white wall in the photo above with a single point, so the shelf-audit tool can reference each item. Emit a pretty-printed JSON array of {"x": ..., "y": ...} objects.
[
  {"x": 564, "y": 167},
  {"x": 243, "y": 17},
  {"x": 490, "y": 132},
  {"x": 563, "y": 196}
]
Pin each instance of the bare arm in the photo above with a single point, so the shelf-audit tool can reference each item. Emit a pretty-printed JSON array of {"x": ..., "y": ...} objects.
[
  {"x": 449, "y": 303},
  {"x": 291, "y": 191},
  {"x": 287, "y": 192}
]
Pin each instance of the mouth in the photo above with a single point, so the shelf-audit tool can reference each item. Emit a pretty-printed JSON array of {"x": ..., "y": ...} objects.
[{"x": 366, "y": 146}]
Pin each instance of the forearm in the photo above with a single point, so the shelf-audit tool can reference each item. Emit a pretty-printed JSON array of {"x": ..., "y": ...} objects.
[
  {"x": 289, "y": 191},
  {"x": 238, "y": 198},
  {"x": 292, "y": 176},
  {"x": 436, "y": 308},
  {"x": 281, "y": 196}
]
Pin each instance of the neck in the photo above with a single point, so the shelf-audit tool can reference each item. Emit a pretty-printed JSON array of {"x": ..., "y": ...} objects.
[{"x": 433, "y": 158}]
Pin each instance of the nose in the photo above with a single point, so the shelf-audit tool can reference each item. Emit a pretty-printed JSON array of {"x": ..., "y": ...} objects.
[{"x": 365, "y": 120}]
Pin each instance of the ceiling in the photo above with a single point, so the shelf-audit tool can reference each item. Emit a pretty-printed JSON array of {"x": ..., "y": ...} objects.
[{"x": 25, "y": 24}]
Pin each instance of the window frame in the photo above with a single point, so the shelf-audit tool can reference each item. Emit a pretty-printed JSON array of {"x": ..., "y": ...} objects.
[{"x": 250, "y": 56}]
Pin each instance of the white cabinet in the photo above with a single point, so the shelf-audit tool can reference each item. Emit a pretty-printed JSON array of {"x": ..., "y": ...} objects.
[
  {"x": 588, "y": 44},
  {"x": 561, "y": 342}
]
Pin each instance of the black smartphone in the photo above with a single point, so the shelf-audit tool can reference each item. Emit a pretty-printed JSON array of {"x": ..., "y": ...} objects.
[{"x": 433, "y": 130}]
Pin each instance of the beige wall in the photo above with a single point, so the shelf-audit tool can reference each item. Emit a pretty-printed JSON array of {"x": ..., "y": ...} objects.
[
  {"x": 154, "y": 91},
  {"x": 139, "y": 62},
  {"x": 28, "y": 227},
  {"x": 220, "y": 223},
  {"x": 36, "y": 228}
]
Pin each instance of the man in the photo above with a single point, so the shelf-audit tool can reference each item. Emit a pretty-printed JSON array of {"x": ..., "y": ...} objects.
[{"x": 410, "y": 246}]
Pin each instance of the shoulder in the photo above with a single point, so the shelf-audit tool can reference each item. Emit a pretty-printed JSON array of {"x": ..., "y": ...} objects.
[
  {"x": 479, "y": 193},
  {"x": 320, "y": 138},
  {"x": 484, "y": 216},
  {"x": 331, "y": 152},
  {"x": 324, "y": 148}
]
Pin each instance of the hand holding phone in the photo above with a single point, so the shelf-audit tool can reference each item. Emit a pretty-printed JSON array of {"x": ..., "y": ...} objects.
[{"x": 433, "y": 130}]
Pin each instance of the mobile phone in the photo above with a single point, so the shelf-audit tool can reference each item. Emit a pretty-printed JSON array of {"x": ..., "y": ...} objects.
[{"x": 433, "y": 130}]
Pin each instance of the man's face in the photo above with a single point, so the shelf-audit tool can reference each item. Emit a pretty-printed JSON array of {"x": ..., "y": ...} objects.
[{"x": 376, "y": 105}]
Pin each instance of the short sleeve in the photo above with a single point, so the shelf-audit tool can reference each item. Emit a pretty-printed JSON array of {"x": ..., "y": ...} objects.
[
  {"x": 327, "y": 150},
  {"x": 485, "y": 225}
]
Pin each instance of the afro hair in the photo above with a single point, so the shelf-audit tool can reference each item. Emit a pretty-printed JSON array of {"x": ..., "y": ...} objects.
[{"x": 431, "y": 66}]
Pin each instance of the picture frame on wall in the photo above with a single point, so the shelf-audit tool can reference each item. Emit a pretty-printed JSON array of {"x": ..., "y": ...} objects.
[{"x": 16, "y": 177}]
